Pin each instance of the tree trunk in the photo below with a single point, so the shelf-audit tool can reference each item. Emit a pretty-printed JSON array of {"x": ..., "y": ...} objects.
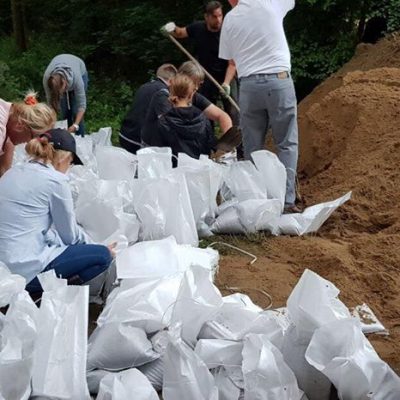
[{"x": 19, "y": 24}]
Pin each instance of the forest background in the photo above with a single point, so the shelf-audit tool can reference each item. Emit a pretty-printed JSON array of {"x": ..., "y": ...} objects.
[{"x": 121, "y": 43}]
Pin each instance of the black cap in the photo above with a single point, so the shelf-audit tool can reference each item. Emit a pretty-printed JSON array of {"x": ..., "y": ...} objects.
[{"x": 61, "y": 139}]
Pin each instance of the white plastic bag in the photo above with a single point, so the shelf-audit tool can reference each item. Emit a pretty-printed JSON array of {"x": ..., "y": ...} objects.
[
  {"x": 147, "y": 304},
  {"x": 154, "y": 162},
  {"x": 164, "y": 209},
  {"x": 228, "y": 222},
  {"x": 309, "y": 221},
  {"x": 245, "y": 181},
  {"x": 84, "y": 149},
  {"x": 198, "y": 301},
  {"x": 185, "y": 374},
  {"x": 256, "y": 215},
  {"x": 94, "y": 377},
  {"x": 59, "y": 369},
  {"x": 115, "y": 163},
  {"x": 159, "y": 258},
  {"x": 10, "y": 284},
  {"x": 313, "y": 303},
  {"x": 274, "y": 174},
  {"x": 102, "y": 137},
  {"x": 116, "y": 346},
  {"x": 17, "y": 339},
  {"x": 227, "y": 390},
  {"x": 266, "y": 375},
  {"x": 126, "y": 385},
  {"x": 154, "y": 371},
  {"x": 315, "y": 384},
  {"x": 217, "y": 352},
  {"x": 341, "y": 352}
]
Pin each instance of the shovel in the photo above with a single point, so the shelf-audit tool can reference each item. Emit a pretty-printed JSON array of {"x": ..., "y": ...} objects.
[{"x": 208, "y": 75}]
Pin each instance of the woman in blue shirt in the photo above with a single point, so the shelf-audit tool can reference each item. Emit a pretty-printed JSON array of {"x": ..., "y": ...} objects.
[{"x": 38, "y": 230}]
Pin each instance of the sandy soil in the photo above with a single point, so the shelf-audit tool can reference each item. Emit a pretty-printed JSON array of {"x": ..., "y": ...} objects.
[{"x": 349, "y": 140}]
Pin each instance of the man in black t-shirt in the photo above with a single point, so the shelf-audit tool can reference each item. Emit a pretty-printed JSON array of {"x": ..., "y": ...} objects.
[
  {"x": 130, "y": 134},
  {"x": 205, "y": 35}
]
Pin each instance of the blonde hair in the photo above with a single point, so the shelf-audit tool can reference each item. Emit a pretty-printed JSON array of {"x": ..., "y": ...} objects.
[
  {"x": 40, "y": 149},
  {"x": 193, "y": 71},
  {"x": 39, "y": 117},
  {"x": 182, "y": 87}
]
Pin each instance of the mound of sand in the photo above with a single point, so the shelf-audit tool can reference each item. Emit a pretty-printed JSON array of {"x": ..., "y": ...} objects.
[{"x": 349, "y": 140}]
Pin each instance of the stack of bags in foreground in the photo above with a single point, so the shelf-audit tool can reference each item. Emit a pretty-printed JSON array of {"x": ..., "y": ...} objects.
[{"x": 167, "y": 328}]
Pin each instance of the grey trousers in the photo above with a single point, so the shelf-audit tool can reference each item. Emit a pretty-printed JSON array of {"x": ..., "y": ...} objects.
[{"x": 266, "y": 100}]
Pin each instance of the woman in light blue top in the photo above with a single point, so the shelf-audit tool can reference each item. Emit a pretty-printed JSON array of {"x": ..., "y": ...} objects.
[
  {"x": 38, "y": 230},
  {"x": 65, "y": 83}
]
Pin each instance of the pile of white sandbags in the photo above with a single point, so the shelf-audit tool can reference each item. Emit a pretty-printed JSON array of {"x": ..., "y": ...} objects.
[{"x": 43, "y": 350}]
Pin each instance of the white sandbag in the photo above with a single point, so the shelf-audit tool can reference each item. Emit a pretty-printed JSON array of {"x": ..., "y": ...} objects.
[
  {"x": 17, "y": 338},
  {"x": 164, "y": 209},
  {"x": 341, "y": 352},
  {"x": 60, "y": 352},
  {"x": 309, "y": 221},
  {"x": 228, "y": 222},
  {"x": 154, "y": 371},
  {"x": 185, "y": 374},
  {"x": 256, "y": 215},
  {"x": 93, "y": 379},
  {"x": 217, "y": 352},
  {"x": 199, "y": 187},
  {"x": 266, "y": 375},
  {"x": 115, "y": 163},
  {"x": 313, "y": 303},
  {"x": 10, "y": 284},
  {"x": 61, "y": 124},
  {"x": 126, "y": 385},
  {"x": 159, "y": 258},
  {"x": 146, "y": 305},
  {"x": 102, "y": 137},
  {"x": 274, "y": 174},
  {"x": 101, "y": 210},
  {"x": 154, "y": 162},
  {"x": 227, "y": 390},
  {"x": 198, "y": 301},
  {"x": 116, "y": 346},
  {"x": 245, "y": 181},
  {"x": 311, "y": 381},
  {"x": 84, "y": 149}
]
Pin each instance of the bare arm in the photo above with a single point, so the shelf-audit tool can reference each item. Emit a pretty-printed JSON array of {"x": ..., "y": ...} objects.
[
  {"x": 230, "y": 72},
  {"x": 7, "y": 157},
  {"x": 217, "y": 115}
]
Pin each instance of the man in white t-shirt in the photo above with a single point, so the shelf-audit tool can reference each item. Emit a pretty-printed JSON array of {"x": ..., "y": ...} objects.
[{"x": 253, "y": 36}]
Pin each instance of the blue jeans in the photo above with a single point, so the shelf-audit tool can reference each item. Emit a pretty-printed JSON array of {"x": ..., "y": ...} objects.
[
  {"x": 79, "y": 263},
  {"x": 70, "y": 112},
  {"x": 266, "y": 100}
]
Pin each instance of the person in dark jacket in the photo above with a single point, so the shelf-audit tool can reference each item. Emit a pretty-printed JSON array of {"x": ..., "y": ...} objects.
[
  {"x": 184, "y": 127},
  {"x": 129, "y": 137}
]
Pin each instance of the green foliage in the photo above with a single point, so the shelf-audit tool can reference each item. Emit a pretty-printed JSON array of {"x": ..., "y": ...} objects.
[{"x": 121, "y": 44}]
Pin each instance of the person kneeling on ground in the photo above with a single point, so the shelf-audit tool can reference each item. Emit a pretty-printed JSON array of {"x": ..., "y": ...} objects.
[
  {"x": 184, "y": 127},
  {"x": 130, "y": 134},
  {"x": 38, "y": 230},
  {"x": 160, "y": 105},
  {"x": 19, "y": 123}
]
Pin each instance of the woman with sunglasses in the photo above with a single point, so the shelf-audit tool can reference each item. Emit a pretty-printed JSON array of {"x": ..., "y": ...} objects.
[
  {"x": 38, "y": 229},
  {"x": 19, "y": 122}
]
